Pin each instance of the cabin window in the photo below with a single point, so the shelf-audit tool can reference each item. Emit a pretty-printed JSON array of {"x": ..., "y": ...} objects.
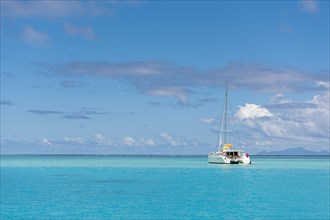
[{"x": 233, "y": 154}]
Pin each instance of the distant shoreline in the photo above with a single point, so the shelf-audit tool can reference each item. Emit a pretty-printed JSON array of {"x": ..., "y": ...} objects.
[{"x": 156, "y": 155}]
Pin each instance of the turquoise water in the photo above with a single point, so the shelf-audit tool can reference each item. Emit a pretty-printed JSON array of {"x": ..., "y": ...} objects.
[{"x": 149, "y": 187}]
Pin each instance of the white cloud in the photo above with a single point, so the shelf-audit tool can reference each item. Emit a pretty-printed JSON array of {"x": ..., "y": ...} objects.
[
  {"x": 290, "y": 124},
  {"x": 34, "y": 37},
  {"x": 129, "y": 141},
  {"x": 322, "y": 84},
  {"x": 46, "y": 142},
  {"x": 49, "y": 9},
  {"x": 102, "y": 140},
  {"x": 84, "y": 31},
  {"x": 147, "y": 142},
  {"x": 77, "y": 140},
  {"x": 207, "y": 120},
  {"x": 168, "y": 138},
  {"x": 251, "y": 111},
  {"x": 309, "y": 6},
  {"x": 177, "y": 92},
  {"x": 279, "y": 99}
]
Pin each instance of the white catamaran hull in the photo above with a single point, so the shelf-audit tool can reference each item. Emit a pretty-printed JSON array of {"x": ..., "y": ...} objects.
[
  {"x": 218, "y": 159},
  {"x": 223, "y": 159}
]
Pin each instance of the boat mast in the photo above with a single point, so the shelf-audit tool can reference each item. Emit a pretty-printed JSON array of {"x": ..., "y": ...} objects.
[{"x": 223, "y": 125}]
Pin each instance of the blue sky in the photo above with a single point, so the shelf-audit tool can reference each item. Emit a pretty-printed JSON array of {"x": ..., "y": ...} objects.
[{"x": 148, "y": 77}]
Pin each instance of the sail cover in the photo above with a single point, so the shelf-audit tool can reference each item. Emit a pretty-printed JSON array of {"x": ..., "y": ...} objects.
[{"x": 227, "y": 145}]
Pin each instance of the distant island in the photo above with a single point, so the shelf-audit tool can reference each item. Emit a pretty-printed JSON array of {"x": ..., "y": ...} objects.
[{"x": 293, "y": 152}]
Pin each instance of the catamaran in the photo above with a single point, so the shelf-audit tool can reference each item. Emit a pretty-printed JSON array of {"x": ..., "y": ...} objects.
[{"x": 225, "y": 153}]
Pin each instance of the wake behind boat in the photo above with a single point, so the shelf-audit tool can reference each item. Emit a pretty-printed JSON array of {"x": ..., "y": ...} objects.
[{"x": 225, "y": 153}]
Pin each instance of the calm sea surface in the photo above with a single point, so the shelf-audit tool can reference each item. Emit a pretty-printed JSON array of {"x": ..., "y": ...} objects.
[{"x": 150, "y": 187}]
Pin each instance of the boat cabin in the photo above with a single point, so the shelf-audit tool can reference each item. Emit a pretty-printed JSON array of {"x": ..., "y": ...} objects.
[{"x": 233, "y": 153}]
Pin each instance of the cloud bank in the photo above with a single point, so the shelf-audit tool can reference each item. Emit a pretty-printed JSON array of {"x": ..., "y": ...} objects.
[
  {"x": 159, "y": 78},
  {"x": 84, "y": 31},
  {"x": 163, "y": 143},
  {"x": 252, "y": 111},
  {"x": 284, "y": 121},
  {"x": 49, "y": 9},
  {"x": 309, "y": 6},
  {"x": 83, "y": 113},
  {"x": 34, "y": 37}
]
